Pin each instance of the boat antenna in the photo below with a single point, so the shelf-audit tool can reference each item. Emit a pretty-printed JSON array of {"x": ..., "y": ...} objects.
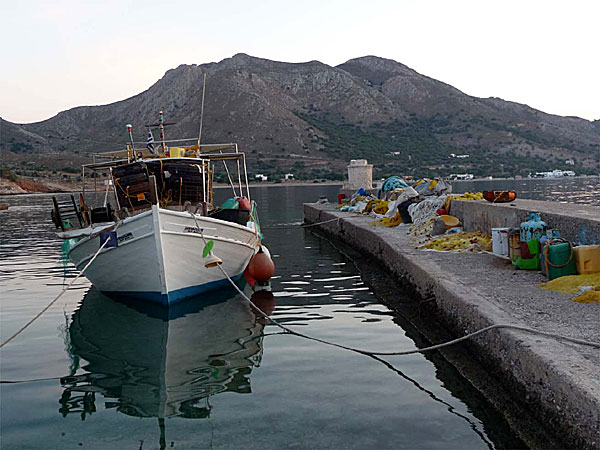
[
  {"x": 202, "y": 110},
  {"x": 161, "y": 127},
  {"x": 131, "y": 140}
]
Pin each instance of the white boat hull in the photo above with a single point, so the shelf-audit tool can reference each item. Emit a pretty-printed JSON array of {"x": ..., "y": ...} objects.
[{"x": 159, "y": 256}]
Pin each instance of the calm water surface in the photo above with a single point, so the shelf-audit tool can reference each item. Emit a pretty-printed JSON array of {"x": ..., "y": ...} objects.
[
  {"x": 566, "y": 190},
  {"x": 95, "y": 373}
]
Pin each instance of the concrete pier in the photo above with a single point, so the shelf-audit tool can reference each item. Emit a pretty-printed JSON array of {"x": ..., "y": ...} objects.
[{"x": 559, "y": 380}]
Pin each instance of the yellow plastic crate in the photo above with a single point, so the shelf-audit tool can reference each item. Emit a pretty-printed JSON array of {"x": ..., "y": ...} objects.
[{"x": 587, "y": 258}]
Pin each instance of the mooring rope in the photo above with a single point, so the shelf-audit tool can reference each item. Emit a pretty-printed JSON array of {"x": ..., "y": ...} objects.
[
  {"x": 408, "y": 352},
  {"x": 299, "y": 225},
  {"x": 58, "y": 296},
  {"x": 306, "y": 225}
]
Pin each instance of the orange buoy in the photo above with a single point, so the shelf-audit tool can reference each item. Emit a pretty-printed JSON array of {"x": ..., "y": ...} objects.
[
  {"x": 261, "y": 267},
  {"x": 251, "y": 281},
  {"x": 244, "y": 203}
]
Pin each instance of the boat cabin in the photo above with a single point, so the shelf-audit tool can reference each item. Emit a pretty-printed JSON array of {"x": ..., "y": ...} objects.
[{"x": 179, "y": 179}]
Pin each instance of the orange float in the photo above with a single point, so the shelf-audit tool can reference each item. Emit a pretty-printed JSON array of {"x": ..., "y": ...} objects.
[
  {"x": 499, "y": 196},
  {"x": 261, "y": 267},
  {"x": 244, "y": 203}
]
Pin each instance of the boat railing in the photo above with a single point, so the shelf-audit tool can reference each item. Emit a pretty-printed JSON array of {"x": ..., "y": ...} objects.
[{"x": 207, "y": 153}]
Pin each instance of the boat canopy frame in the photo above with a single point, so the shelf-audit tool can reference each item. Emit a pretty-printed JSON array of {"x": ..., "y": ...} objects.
[{"x": 201, "y": 152}]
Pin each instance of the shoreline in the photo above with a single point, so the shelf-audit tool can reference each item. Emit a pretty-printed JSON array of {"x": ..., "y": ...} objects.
[
  {"x": 285, "y": 184},
  {"x": 524, "y": 179},
  {"x": 10, "y": 188}
]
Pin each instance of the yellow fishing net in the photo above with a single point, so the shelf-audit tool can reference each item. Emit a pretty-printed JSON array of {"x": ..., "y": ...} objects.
[
  {"x": 460, "y": 242},
  {"x": 382, "y": 207},
  {"x": 388, "y": 222},
  {"x": 588, "y": 297},
  {"x": 377, "y": 206},
  {"x": 574, "y": 284},
  {"x": 370, "y": 205},
  {"x": 465, "y": 196}
]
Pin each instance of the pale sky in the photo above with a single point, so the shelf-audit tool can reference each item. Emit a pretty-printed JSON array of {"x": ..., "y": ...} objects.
[{"x": 60, "y": 54}]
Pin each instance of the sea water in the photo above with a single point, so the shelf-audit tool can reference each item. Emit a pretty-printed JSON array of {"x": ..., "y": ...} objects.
[{"x": 93, "y": 372}]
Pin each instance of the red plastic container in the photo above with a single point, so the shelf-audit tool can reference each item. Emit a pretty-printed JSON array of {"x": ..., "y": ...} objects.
[{"x": 341, "y": 197}]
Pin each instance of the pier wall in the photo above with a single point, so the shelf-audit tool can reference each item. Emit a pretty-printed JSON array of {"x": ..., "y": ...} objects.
[
  {"x": 577, "y": 223},
  {"x": 556, "y": 380}
]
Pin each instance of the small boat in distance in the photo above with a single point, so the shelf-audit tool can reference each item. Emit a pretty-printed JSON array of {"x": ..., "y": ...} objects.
[{"x": 165, "y": 235}]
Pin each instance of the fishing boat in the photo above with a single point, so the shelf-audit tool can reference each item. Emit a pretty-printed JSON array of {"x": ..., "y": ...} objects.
[{"x": 164, "y": 237}]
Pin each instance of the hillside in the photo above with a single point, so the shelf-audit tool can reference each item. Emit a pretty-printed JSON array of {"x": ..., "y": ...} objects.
[{"x": 311, "y": 118}]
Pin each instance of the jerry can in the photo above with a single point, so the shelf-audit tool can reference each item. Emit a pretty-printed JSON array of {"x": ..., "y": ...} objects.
[
  {"x": 559, "y": 259},
  {"x": 550, "y": 234},
  {"x": 533, "y": 228}
]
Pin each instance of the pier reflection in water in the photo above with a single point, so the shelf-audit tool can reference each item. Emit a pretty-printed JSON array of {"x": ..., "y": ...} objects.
[{"x": 152, "y": 362}]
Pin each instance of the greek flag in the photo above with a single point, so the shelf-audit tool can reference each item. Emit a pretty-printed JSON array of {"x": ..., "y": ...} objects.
[{"x": 150, "y": 142}]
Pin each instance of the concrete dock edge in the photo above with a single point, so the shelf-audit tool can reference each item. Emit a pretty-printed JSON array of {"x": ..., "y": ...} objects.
[{"x": 556, "y": 379}]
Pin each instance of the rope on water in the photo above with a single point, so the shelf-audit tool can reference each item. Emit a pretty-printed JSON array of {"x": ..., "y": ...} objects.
[
  {"x": 306, "y": 225},
  {"x": 410, "y": 352},
  {"x": 58, "y": 296}
]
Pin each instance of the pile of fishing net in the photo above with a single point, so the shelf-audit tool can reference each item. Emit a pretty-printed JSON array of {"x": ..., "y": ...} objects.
[
  {"x": 393, "y": 221},
  {"x": 426, "y": 209},
  {"x": 377, "y": 206},
  {"x": 397, "y": 202},
  {"x": 587, "y": 287},
  {"x": 420, "y": 211},
  {"x": 463, "y": 197},
  {"x": 460, "y": 242},
  {"x": 425, "y": 218},
  {"x": 356, "y": 204},
  {"x": 384, "y": 210},
  {"x": 467, "y": 196},
  {"x": 420, "y": 233},
  {"x": 432, "y": 186},
  {"x": 391, "y": 184}
]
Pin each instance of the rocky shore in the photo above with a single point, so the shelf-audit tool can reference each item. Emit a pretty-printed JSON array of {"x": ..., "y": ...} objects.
[{"x": 24, "y": 186}]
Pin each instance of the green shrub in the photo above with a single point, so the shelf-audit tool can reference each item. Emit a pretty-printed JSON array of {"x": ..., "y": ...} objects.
[{"x": 7, "y": 174}]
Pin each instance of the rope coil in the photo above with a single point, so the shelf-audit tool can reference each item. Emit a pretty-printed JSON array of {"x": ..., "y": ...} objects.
[{"x": 547, "y": 256}]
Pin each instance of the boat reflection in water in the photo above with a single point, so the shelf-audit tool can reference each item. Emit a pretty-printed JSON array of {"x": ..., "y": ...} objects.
[{"x": 153, "y": 362}]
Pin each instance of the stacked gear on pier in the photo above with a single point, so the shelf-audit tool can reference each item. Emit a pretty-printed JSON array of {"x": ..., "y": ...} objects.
[
  {"x": 432, "y": 186},
  {"x": 427, "y": 204},
  {"x": 398, "y": 203}
]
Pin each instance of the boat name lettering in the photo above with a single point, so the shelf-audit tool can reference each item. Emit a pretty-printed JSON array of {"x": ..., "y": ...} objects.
[
  {"x": 125, "y": 237},
  {"x": 191, "y": 230}
]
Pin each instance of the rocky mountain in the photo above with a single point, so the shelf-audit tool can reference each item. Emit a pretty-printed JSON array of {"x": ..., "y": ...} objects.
[{"x": 311, "y": 118}]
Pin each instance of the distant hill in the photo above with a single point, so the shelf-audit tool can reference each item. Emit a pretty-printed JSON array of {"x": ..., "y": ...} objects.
[{"x": 311, "y": 118}]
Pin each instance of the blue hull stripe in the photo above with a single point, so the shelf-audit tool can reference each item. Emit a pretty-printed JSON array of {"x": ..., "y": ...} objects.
[{"x": 173, "y": 296}]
